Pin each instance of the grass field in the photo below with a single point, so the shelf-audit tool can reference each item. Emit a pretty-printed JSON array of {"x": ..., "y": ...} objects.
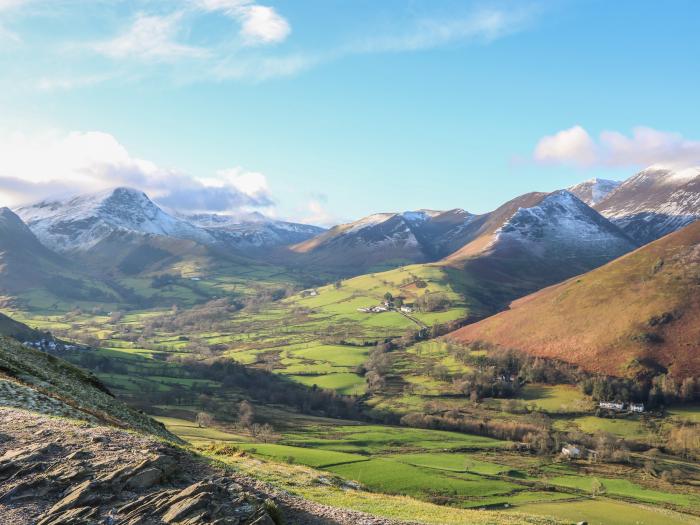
[{"x": 603, "y": 511}]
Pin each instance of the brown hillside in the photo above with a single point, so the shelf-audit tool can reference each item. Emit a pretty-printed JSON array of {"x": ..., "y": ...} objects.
[{"x": 638, "y": 312}]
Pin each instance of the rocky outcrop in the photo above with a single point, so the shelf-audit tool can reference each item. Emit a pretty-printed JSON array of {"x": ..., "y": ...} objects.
[{"x": 74, "y": 475}]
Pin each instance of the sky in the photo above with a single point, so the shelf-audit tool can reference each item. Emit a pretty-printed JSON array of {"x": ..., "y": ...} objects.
[{"x": 324, "y": 111}]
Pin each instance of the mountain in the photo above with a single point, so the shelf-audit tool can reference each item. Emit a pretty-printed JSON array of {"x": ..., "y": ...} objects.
[
  {"x": 638, "y": 313},
  {"x": 252, "y": 231},
  {"x": 593, "y": 190},
  {"x": 385, "y": 240},
  {"x": 80, "y": 223},
  {"x": 655, "y": 202},
  {"x": 530, "y": 242},
  {"x": 556, "y": 227}
]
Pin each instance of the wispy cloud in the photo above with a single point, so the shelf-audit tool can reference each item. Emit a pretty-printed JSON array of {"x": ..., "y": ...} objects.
[
  {"x": 171, "y": 39},
  {"x": 643, "y": 147},
  {"x": 151, "y": 37},
  {"x": 485, "y": 25}
]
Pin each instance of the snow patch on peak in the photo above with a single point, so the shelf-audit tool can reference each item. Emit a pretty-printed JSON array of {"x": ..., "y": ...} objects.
[
  {"x": 594, "y": 190},
  {"x": 79, "y": 223},
  {"x": 561, "y": 221},
  {"x": 370, "y": 220}
]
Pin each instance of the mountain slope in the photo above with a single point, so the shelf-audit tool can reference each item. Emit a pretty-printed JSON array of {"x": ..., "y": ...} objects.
[
  {"x": 655, "y": 202},
  {"x": 11, "y": 328},
  {"x": 638, "y": 312},
  {"x": 26, "y": 264},
  {"x": 594, "y": 190},
  {"x": 80, "y": 223},
  {"x": 252, "y": 231},
  {"x": 379, "y": 239}
]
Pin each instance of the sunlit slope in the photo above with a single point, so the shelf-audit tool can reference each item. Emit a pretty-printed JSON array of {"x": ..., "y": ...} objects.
[{"x": 639, "y": 312}]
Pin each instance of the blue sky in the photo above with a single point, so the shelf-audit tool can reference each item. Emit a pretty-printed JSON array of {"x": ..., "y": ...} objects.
[{"x": 323, "y": 111}]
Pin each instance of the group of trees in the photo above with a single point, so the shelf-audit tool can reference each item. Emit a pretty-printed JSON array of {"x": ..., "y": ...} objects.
[
  {"x": 432, "y": 302},
  {"x": 654, "y": 392}
]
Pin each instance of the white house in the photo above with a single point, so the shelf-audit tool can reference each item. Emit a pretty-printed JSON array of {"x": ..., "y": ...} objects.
[
  {"x": 571, "y": 452},
  {"x": 637, "y": 407},
  {"x": 406, "y": 309},
  {"x": 612, "y": 405}
]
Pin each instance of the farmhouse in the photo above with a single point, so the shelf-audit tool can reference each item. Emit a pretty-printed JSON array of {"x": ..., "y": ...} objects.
[
  {"x": 612, "y": 405},
  {"x": 406, "y": 309},
  {"x": 311, "y": 292},
  {"x": 637, "y": 407},
  {"x": 571, "y": 452}
]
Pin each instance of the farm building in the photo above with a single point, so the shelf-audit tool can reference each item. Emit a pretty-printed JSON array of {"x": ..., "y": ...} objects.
[
  {"x": 637, "y": 407},
  {"x": 612, "y": 405},
  {"x": 311, "y": 292},
  {"x": 406, "y": 309},
  {"x": 571, "y": 452}
]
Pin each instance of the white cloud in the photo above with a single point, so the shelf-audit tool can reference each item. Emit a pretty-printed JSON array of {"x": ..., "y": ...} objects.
[
  {"x": 262, "y": 25},
  {"x": 150, "y": 38},
  {"x": 250, "y": 183},
  {"x": 11, "y": 4},
  {"x": 259, "y": 24},
  {"x": 316, "y": 213},
  {"x": 56, "y": 165},
  {"x": 569, "y": 146},
  {"x": 643, "y": 147}
]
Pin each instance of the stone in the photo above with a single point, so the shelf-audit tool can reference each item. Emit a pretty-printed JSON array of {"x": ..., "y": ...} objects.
[
  {"x": 81, "y": 495},
  {"x": 76, "y": 516},
  {"x": 145, "y": 478}
]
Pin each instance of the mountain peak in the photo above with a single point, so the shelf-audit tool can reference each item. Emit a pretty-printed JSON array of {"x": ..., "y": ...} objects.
[
  {"x": 656, "y": 201},
  {"x": 593, "y": 191},
  {"x": 81, "y": 222}
]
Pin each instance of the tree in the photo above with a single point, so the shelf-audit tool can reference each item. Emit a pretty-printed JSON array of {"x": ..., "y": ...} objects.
[
  {"x": 246, "y": 414},
  {"x": 388, "y": 297},
  {"x": 597, "y": 488},
  {"x": 204, "y": 419}
]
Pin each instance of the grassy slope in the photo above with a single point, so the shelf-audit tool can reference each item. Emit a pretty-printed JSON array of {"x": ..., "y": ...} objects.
[
  {"x": 601, "y": 319},
  {"x": 30, "y": 377}
]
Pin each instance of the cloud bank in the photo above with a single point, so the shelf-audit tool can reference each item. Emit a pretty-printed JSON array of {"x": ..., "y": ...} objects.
[
  {"x": 34, "y": 168},
  {"x": 643, "y": 147}
]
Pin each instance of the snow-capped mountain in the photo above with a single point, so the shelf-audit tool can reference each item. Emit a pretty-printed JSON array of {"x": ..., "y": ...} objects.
[
  {"x": 594, "y": 190},
  {"x": 252, "y": 230},
  {"x": 655, "y": 202},
  {"x": 563, "y": 226},
  {"x": 386, "y": 239},
  {"x": 79, "y": 223},
  {"x": 557, "y": 226}
]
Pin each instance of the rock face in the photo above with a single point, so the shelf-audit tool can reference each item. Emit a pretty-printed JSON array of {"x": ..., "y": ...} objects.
[{"x": 86, "y": 476}]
